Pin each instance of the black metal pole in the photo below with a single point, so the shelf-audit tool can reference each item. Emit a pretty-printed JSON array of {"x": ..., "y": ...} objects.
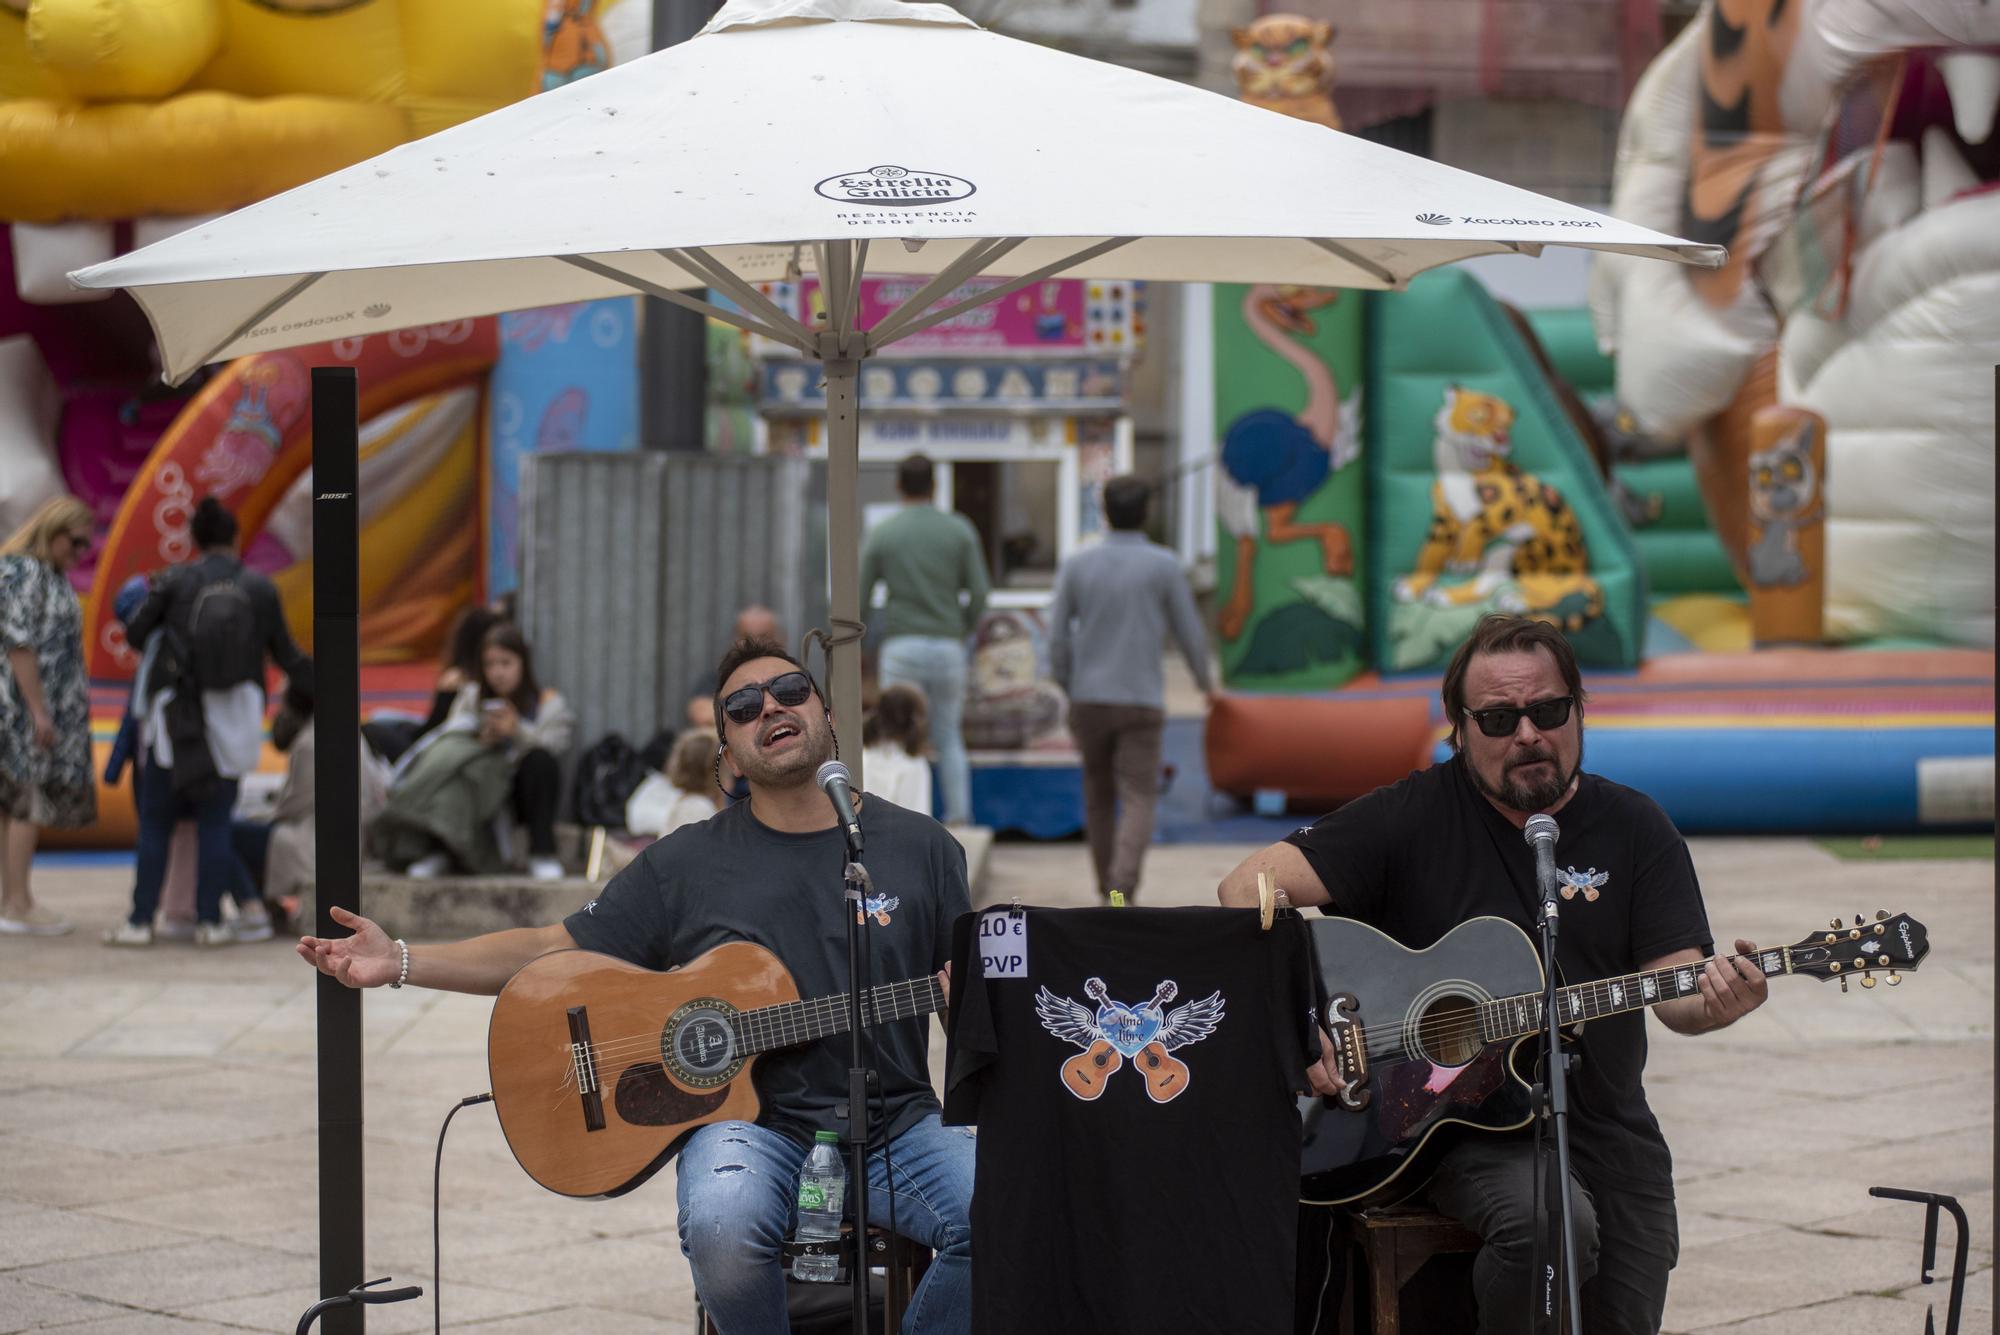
[
  {"x": 337, "y": 838},
  {"x": 857, "y": 1094},
  {"x": 673, "y": 342},
  {"x": 1552, "y": 1118}
]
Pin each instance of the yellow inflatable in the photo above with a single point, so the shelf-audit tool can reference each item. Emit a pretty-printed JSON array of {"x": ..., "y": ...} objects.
[{"x": 115, "y": 109}]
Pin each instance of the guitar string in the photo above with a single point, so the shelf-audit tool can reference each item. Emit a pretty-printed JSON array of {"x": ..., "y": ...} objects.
[
  {"x": 787, "y": 1017},
  {"x": 784, "y": 1024},
  {"x": 1440, "y": 1031},
  {"x": 768, "y": 1032},
  {"x": 616, "y": 1054}
]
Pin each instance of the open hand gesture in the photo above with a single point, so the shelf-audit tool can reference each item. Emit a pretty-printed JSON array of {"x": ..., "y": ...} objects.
[{"x": 368, "y": 958}]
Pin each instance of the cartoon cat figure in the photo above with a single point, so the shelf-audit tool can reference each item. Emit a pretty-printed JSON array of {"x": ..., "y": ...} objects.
[
  {"x": 1284, "y": 63},
  {"x": 1784, "y": 497}
]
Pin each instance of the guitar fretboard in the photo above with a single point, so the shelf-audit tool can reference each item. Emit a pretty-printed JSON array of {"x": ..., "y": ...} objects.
[
  {"x": 794, "y": 1022},
  {"x": 1511, "y": 1017}
]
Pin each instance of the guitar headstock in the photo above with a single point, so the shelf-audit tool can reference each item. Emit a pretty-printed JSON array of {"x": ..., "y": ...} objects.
[{"x": 1887, "y": 945}]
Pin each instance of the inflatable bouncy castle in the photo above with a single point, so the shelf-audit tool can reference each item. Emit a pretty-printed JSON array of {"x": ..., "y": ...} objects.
[
  {"x": 122, "y": 121},
  {"x": 1770, "y": 543}
]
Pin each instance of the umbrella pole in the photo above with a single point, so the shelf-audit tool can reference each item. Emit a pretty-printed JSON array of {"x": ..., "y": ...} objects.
[
  {"x": 843, "y": 548},
  {"x": 840, "y": 352}
]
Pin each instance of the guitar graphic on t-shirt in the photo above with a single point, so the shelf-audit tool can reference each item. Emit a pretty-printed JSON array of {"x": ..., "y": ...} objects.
[{"x": 1115, "y": 1033}]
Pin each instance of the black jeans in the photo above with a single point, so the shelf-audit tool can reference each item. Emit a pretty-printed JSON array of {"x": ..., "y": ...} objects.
[
  {"x": 537, "y": 793},
  {"x": 1626, "y": 1241}
]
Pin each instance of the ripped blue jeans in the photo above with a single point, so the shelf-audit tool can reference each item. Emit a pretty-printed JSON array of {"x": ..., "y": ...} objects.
[{"x": 738, "y": 1189}]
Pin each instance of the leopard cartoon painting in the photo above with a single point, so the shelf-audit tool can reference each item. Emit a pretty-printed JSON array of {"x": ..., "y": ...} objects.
[{"x": 1510, "y": 532}]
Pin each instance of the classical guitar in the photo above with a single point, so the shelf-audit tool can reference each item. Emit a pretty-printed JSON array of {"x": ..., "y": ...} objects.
[
  {"x": 600, "y": 1068},
  {"x": 1428, "y": 1039}
]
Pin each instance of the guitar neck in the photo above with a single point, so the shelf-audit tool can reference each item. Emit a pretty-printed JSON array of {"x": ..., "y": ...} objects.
[
  {"x": 1514, "y": 1017},
  {"x": 794, "y": 1022}
]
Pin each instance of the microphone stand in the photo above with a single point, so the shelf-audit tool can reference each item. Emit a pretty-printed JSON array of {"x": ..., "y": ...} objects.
[
  {"x": 1550, "y": 1099},
  {"x": 855, "y": 879}
]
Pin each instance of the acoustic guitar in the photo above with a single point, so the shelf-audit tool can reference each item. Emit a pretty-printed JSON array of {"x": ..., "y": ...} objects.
[
  {"x": 601, "y": 1068},
  {"x": 1429, "y": 1039}
]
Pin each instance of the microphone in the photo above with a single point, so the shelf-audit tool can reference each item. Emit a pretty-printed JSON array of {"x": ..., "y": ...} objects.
[
  {"x": 837, "y": 783},
  {"x": 1540, "y": 833}
]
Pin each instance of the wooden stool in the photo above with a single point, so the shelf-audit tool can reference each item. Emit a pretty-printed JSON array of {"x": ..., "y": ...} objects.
[
  {"x": 1392, "y": 1244},
  {"x": 903, "y": 1263}
]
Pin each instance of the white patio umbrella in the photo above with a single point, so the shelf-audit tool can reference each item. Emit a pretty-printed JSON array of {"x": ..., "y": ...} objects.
[{"x": 788, "y": 137}]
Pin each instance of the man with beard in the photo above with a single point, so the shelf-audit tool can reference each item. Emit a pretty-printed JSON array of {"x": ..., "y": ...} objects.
[
  {"x": 1421, "y": 856},
  {"x": 766, "y": 871}
]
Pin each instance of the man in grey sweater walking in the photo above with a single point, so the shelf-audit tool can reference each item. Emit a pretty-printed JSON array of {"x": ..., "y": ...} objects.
[{"x": 1114, "y": 605}]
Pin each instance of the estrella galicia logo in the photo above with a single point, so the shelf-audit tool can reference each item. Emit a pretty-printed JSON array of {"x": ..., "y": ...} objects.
[
  {"x": 894, "y": 187},
  {"x": 1434, "y": 219}
]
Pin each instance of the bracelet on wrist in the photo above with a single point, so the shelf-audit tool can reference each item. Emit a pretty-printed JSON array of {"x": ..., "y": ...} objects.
[{"x": 403, "y": 976}]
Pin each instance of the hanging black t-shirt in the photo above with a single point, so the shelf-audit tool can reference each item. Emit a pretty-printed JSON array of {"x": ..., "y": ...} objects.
[
  {"x": 733, "y": 878},
  {"x": 1420, "y": 856},
  {"x": 1133, "y": 1081}
]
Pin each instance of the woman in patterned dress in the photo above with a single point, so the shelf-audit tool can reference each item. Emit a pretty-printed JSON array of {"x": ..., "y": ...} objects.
[{"x": 45, "y": 764}]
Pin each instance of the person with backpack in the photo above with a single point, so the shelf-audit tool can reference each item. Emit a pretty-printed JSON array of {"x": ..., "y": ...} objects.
[{"x": 204, "y": 723}]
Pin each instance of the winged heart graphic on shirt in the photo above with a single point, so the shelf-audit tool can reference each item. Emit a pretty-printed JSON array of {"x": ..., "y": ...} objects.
[
  {"x": 880, "y": 907},
  {"x": 1115, "y": 1033},
  {"x": 1590, "y": 880}
]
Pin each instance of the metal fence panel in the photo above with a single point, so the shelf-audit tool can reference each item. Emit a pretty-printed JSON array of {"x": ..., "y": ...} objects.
[{"x": 635, "y": 565}]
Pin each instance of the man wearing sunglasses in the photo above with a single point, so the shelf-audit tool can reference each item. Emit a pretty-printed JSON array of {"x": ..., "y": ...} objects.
[
  {"x": 1421, "y": 856},
  {"x": 767, "y": 871}
]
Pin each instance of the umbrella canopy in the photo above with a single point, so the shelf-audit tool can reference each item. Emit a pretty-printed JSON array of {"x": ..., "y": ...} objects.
[
  {"x": 792, "y": 121},
  {"x": 788, "y": 137}
]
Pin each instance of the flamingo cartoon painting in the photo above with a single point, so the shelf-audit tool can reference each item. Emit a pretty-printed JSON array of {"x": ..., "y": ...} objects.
[{"x": 1273, "y": 460}]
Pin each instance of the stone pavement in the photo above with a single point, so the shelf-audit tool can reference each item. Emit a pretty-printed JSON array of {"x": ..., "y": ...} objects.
[{"x": 158, "y": 1169}]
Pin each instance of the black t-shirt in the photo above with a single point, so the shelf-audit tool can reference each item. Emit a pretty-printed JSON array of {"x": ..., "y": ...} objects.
[
  {"x": 1420, "y": 856},
  {"x": 1155, "y": 1189},
  {"x": 732, "y": 878}
]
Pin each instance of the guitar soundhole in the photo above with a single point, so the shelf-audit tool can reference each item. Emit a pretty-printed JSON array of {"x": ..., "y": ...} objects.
[
  {"x": 699, "y": 1044},
  {"x": 1449, "y": 1032}
]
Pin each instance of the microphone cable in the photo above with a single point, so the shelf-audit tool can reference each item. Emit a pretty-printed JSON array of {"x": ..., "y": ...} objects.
[{"x": 437, "y": 1183}]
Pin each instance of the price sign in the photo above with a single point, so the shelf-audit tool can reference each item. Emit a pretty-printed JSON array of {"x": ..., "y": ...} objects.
[{"x": 1003, "y": 944}]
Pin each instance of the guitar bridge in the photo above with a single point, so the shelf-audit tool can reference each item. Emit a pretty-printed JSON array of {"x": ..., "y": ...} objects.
[
  {"x": 1350, "y": 1047},
  {"x": 583, "y": 1061}
]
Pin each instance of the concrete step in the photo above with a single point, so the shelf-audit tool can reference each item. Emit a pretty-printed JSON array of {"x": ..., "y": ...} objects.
[{"x": 449, "y": 908}]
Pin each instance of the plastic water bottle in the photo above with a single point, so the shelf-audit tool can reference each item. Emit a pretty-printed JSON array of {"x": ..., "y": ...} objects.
[{"x": 822, "y": 1196}]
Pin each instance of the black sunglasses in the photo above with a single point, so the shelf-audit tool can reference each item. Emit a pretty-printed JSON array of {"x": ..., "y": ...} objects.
[
  {"x": 745, "y": 703},
  {"x": 1544, "y": 714}
]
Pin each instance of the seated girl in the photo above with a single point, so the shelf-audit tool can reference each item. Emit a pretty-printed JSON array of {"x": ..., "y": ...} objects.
[{"x": 497, "y": 752}]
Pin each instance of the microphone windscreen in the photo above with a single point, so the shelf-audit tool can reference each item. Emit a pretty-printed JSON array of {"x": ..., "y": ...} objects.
[{"x": 834, "y": 769}]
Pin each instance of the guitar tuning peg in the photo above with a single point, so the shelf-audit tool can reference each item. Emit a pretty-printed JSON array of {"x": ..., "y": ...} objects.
[
  {"x": 1843, "y": 985},
  {"x": 1857, "y": 920},
  {"x": 1894, "y": 978},
  {"x": 1868, "y": 980},
  {"x": 1881, "y": 915},
  {"x": 1835, "y": 923}
]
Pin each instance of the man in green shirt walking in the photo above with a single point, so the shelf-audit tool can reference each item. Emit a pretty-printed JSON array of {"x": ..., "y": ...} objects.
[{"x": 928, "y": 557}]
